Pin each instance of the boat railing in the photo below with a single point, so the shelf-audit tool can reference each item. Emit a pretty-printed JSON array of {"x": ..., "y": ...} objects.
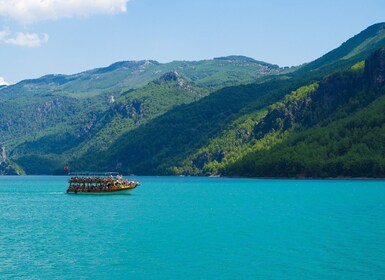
[{"x": 93, "y": 174}]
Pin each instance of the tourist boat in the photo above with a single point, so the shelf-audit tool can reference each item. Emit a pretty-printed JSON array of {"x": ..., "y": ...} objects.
[{"x": 99, "y": 183}]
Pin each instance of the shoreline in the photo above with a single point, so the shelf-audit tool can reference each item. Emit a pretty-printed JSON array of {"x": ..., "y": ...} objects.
[
  {"x": 308, "y": 178},
  {"x": 230, "y": 177}
]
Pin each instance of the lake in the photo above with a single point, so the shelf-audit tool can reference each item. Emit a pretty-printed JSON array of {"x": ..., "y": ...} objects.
[{"x": 193, "y": 228}]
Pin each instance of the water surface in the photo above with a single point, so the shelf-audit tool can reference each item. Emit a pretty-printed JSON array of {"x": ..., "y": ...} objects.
[{"x": 195, "y": 228}]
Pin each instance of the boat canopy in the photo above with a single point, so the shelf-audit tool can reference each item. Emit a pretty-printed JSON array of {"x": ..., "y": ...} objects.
[{"x": 93, "y": 174}]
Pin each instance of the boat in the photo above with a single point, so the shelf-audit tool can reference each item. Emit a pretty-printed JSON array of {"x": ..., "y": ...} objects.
[{"x": 99, "y": 183}]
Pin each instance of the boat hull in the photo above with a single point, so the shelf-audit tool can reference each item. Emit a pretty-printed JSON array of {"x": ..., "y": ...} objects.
[{"x": 102, "y": 192}]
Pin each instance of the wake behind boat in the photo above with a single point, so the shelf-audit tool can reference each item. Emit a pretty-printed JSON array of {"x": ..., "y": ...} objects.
[{"x": 99, "y": 183}]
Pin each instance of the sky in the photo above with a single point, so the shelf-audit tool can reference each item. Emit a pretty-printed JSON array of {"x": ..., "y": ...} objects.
[{"x": 39, "y": 37}]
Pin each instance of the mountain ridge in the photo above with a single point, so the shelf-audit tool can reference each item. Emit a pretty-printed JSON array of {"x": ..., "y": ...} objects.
[
  {"x": 133, "y": 74},
  {"x": 200, "y": 118},
  {"x": 344, "y": 55},
  {"x": 160, "y": 166}
]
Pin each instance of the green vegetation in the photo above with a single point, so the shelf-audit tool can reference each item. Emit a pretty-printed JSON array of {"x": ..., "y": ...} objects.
[
  {"x": 232, "y": 116},
  {"x": 352, "y": 51},
  {"x": 248, "y": 134},
  {"x": 122, "y": 76},
  {"x": 327, "y": 129},
  {"x": 133, "y": 109},
  {"x": 96, "y": 129},
  {"x": 351, "y": 147}
]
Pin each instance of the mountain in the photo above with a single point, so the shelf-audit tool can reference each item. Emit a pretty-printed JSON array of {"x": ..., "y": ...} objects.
[
  {"x": 95, "y": 128},
  {"x": 350, "y": 52},
  {"x": 330, "y": 128},
  {"x": 231, "y": 115},
  {"x": 333, "y": 129},
  {"x": 153, "y": 147},
  {"x": 121, "y": 76},
  {"x": 42, "y": 119},
  {"x": 219, "y": 132}
]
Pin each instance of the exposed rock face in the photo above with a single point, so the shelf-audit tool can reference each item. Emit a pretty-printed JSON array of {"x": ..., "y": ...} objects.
[
  {"x": 110, "y": 99},
  {"x": 88, "y": 125},
  {"x": 131, "y": 109},
  {"x": 173, "y": 76},
  {"x": 49, "y": 107}
]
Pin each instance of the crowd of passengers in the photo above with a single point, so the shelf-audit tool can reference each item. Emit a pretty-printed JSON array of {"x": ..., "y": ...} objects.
[
  {"x": 97, "y": 180},
  {"x": 87, "y": 184},
  {"x": 83, "y": 188}
]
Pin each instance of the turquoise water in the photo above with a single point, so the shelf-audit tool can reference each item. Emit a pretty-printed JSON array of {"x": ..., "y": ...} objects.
[{"x": 195, "y": 228}]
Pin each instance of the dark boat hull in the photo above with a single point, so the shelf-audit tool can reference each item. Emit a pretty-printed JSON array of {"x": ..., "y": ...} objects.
[{"x": 102, "y": 192}]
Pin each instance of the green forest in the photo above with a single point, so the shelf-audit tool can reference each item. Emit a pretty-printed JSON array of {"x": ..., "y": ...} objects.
[{"x": 230, "y": 116}]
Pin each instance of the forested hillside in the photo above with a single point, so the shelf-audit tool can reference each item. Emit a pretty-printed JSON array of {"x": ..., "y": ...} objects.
[
  {"x": 156, "y": 146},
  {"x": 221, "y": 133},
  {"x": 334, "y": 128},
  {"x": 231, "y": 116},
  {"x": 127, "y": 112},
  {"x": 51, "y": 120}
]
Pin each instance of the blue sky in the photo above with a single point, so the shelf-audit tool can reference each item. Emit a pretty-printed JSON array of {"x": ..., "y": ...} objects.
[{"x": 39, "y": 37}]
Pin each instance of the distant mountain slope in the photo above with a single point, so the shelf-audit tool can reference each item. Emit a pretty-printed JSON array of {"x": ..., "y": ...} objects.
[
  {"x": 331, "y": 128},
  {"x": 154, "y": 147},
  {"x": 102, "y": 128},
  {"x": 61, "y": 112},
  {"x": 353, "y": 50},
  {"x": 135, "y": 108},
  {"x": 176, "y": 142},
  {"x": 201, "y": 117},
  {"x": 125, "y": 75}
]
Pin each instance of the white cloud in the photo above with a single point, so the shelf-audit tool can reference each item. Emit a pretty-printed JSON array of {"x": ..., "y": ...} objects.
[
  {"x": 3, "y": 34},
  {"x": 26, "y": 39},
  {"x": 3, "y": 82},
  {"x": 22, "y": 39},
  {"x": 28, "y": 11}
]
